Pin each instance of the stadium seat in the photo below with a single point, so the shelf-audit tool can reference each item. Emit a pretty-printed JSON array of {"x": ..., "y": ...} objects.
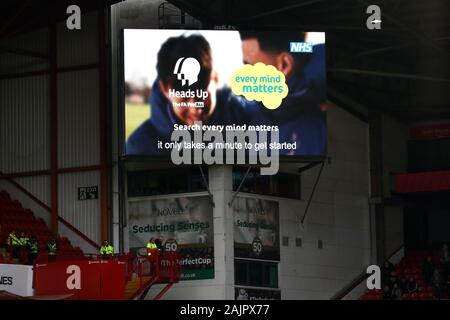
[{"x": 14, "y": 217}]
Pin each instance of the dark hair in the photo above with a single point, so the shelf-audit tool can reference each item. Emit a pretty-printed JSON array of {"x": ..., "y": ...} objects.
[
  {"x": 194, "y": 46},
  {"x": 277, "y": 42}
]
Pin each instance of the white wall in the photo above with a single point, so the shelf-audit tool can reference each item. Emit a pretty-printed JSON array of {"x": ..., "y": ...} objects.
[
  {"x": 76, "y": 240},
  {"x": 338, "y": 215},
  {"x": 82, "y": 214},
  {"x": 394, "y": 149}
]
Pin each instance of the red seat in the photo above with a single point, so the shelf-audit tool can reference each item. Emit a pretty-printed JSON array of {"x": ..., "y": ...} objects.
[{"x": 14, "y": 217}]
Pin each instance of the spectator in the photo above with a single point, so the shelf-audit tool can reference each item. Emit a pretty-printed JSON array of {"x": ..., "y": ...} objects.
[
  {"x": 15, "y": 243},
  {"x": 151, "y": 246},
  {"x": 152, "y": 253},
  {"x": 437, "y": 284},
  {"x": 446, "y": 284},
  {"x": 242, "y": 295},
  {"x": 106, "y": 251},
  {"x": 387, "y": 293},
  {"x": 445, "y": 261},
  {"x": 23, "y": 246},
  {"x": 33, "y": 250},
  {"x": 159, "y": 244},
  {"x": 23, "y": 240},
  {"x": 411, "y": 285},
  {"x": 444, "y": 253},
  {"x": 386, "y": 271},
  {"x": 428, "y": 270},
  {"x": 51, "y": 249},
  {"x": 396, "y": 293},
  {"x": 393, "y": 279},
  {"x": 402, "y": 284}
]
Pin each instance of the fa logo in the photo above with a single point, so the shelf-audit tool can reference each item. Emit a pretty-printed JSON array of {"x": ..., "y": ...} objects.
[
  {"x": 187, "y": 70},
  {"x": 374, "y": 20}
]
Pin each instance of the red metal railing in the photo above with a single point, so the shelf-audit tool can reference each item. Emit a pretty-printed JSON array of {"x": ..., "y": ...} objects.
[
  {"x": 169, "y": 266},
  {"x": 22, "y": 255},
  {"x": 159, "y": 267}
]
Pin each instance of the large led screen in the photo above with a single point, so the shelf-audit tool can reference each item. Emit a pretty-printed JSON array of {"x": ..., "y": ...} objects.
[{"x": 217, "y": 81}]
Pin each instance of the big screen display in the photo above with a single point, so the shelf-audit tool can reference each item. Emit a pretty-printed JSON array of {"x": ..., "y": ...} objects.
[{"x": 218, "y": 81}]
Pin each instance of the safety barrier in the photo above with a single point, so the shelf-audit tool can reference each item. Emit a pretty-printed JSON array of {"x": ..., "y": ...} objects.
[
  {"x": 104, "y": 277},
  {"x": 84, "y": 279},
  {"x": 22, "y": 255}
]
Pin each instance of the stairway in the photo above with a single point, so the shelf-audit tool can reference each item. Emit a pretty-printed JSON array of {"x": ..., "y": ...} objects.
[
  {"x": 410, "y": 267},
  {"x": 132, "y": 287},
  {"x": 14, "y": 217}
]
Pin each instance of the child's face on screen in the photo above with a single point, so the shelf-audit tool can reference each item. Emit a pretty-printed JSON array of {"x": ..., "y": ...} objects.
[{"x": 184, "y": 108}]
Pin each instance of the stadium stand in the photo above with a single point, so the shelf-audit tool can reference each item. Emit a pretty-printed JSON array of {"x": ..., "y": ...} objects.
[
  {"x": 139, "y": 276},
  {"x": 410, "y": 267},
  {"x": 14, "y": 217}
]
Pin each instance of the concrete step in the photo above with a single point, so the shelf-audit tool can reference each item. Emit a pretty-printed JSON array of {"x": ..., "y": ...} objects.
[{"x": 133, "y": 285}]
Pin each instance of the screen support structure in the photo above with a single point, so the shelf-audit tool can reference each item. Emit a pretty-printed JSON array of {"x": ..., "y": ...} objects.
[
  {"x": 304, "y": 168},
  {"x": 211, "y": 198},
  {"x": 240, "y": 186}
]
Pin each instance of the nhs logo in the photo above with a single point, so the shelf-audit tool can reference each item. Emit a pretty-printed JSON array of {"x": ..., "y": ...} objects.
[{"x": 301, "y": 47}]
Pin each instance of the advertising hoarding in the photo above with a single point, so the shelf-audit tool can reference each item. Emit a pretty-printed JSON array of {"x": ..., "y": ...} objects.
[
  {"x": 256, "y": 229},
  {"x": 183, "y": 224}
]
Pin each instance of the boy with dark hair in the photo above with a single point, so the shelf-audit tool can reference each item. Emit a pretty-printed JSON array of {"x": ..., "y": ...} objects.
[
  {"x": 184, "y": 63},
  {"x": 274, "y": 43}
]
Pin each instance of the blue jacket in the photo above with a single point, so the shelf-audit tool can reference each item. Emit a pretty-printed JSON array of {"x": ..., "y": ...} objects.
[{"x": 299, "y": 117}]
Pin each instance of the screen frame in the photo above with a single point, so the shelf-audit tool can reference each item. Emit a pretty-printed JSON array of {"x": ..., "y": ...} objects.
[{"x": 163, "y": 158}]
